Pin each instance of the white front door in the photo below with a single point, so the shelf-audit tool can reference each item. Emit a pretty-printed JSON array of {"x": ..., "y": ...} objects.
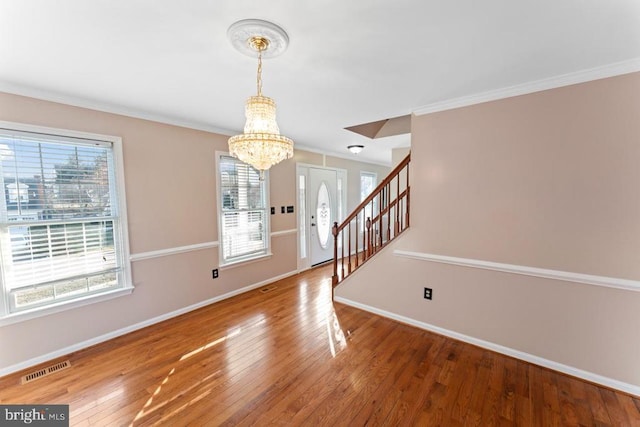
[{"x": 322, "y": 202}]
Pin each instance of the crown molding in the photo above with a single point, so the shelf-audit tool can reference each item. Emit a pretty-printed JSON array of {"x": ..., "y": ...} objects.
[
  {"x": 345, "y": 156},
  {"x": 44, "y": 95},
  {"x": 611, "y": 70},
  {"x": 139, "y": 114}
]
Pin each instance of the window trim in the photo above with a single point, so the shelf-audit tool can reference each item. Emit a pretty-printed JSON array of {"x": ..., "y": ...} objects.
[
  {"x": 369, "y": 174},
  {"x": 374, "y": 205},
  {"x": 7, "y": 317},
  {"x": 252, "y": 257},
  {"x": 63, "y": 305}
]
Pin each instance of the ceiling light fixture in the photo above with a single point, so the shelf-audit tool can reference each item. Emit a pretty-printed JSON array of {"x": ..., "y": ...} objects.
[
  {"x": 355, "y": 149},
  {"x": 261, "y": 144}
]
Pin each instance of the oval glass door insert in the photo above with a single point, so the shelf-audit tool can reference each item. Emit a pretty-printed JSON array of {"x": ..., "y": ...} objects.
[{"x": 323, "y": 215}]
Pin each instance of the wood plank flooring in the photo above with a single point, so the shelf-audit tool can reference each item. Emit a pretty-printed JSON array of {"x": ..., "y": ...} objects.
[{"x": 291, "y": 357}]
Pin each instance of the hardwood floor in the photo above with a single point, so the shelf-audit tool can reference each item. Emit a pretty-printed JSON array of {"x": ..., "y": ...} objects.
[{"x": 291, "y": 357}]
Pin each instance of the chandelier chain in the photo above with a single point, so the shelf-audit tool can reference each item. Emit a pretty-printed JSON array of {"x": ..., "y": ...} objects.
[{"x": 259, "y": 79}]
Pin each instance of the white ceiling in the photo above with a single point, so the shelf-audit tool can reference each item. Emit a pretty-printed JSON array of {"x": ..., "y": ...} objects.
[{"x": 348, "y": 62}]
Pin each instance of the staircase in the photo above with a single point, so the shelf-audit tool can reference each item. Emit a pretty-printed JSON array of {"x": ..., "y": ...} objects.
[{"x": 379, "y": 219}]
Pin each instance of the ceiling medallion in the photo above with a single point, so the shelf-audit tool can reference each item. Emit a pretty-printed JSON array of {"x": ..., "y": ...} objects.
[{"x": 241, "y": 32}]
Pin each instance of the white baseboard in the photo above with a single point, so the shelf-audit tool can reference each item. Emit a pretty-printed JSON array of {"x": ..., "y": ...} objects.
[
  {"x": 114, "y": 334},
  {"x": 570, "y": 370}
]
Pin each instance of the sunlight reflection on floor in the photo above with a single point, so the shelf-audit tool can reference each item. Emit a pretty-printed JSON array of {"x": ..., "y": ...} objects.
[
  {"x": 244, "y": 352},
  {"x": 303, "y": 305},
  {"x": 237, "y": 331},
  {"x": 100, "y": 400},
  {"x": 337, "y": 341},
  {"x": 147, "y": 411},
  {"x": 246, "y": 349},
  {"x": 323, "y": 304}
]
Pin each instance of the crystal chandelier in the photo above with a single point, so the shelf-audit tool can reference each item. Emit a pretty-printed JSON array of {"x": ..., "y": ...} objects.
[{"x": 261, "y": 144}]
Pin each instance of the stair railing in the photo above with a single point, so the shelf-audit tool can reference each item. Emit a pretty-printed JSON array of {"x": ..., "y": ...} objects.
[{"x": 380, "y": 218}]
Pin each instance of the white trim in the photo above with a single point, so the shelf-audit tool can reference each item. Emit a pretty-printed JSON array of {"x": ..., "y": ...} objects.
[
  {"x": 120, "y": 110},
  {"x": 344, "y": 156},
  {"x": 329, "y": 168},
  {"x": 123, "y": 237},
  {"x": 283, "y": 232},
  {"x": 110, "y": 108},
  {"x": 587, "y": 279},
  {"x": 266, "y": 187},
  {"x": 302, "y": 170},
  {"x": 245, "y": 261},
  {"x": 566, "y": 369},
  {"x": 102, "y": 338},
  {"x": 611, "y": 70},
  {"x": 121, "y": 214},
  {"x": 173, "y": 251},
  {"x": 24, "y": 127},
  {"x": 63, "y": 306}
]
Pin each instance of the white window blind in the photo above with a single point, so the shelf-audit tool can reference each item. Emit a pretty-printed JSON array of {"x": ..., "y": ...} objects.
[
  {"x": 244, "y": 219},
  {"x": 59, "y": 222}
]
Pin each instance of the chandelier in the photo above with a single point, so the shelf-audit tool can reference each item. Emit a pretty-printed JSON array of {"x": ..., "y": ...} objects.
[{"x": 261, "y": 144}]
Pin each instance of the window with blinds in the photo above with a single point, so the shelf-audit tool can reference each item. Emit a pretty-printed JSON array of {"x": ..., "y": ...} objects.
[
  {"x": 60, "y": 230},
  {"x": 243, "y": 217}
]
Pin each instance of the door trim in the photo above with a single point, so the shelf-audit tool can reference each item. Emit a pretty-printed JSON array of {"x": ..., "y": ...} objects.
[{"x": 304, "y": 263}]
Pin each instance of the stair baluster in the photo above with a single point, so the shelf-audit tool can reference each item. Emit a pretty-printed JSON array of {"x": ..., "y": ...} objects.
[{"x": 375, "y": 232}]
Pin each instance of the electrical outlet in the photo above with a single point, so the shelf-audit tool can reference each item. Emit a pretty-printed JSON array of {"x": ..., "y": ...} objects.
[
  {"x": 428, "y": 293},
  {"x": 282, "y": 209},
  {"x": 214, "y": 273},
  {"x": 273, "y": 210}
]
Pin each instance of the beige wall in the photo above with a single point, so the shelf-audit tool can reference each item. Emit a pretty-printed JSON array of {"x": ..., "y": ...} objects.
[
  {"x": 170, "y": 175},
  {"x": 282, "y": 192},
  {"x": 547, "y": 180},
  {"x": 399, "y": 154}
]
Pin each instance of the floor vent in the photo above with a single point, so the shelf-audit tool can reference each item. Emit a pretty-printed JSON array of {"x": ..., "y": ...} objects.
[
  {"x": 45, "y": 371},
  {"x": 268, "y": 289}
]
